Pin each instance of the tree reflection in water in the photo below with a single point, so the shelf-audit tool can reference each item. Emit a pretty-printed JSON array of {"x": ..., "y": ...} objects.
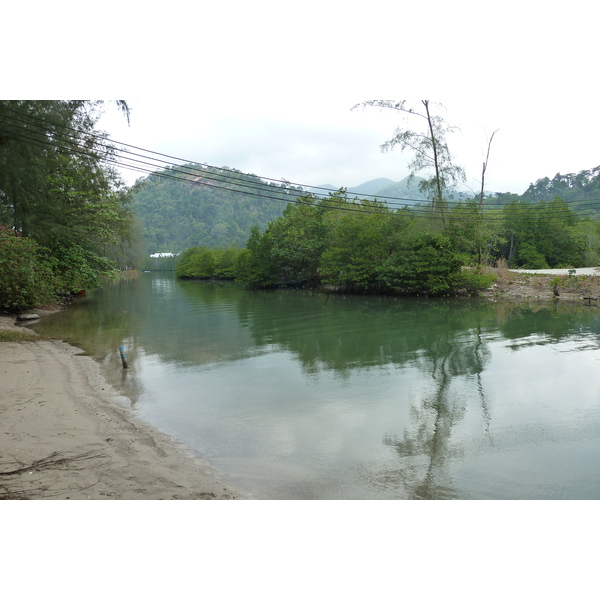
[{"x": 426, "y": 446}]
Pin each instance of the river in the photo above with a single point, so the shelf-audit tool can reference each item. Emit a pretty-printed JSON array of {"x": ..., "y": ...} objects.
[{"x": 301, "y": 395}]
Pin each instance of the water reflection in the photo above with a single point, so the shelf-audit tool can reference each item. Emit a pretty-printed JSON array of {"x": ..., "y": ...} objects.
[{"x": 304, "y": 395}]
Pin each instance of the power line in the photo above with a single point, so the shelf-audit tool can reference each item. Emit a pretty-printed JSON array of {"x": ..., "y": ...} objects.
[
  {"x": 187, "y": 163},
  {"x": 192, "y": 171},
  {"x": 327, "y": 203},
  {"x": 220, "y": 175}
]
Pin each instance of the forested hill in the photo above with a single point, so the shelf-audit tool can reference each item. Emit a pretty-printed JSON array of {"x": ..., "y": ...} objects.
[
  {"x": 581, "y": 191},
  {"x": 192, "y": 205}
]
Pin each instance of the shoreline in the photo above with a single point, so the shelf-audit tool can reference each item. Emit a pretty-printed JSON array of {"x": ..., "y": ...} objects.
[{"x": 67, "y": 434}]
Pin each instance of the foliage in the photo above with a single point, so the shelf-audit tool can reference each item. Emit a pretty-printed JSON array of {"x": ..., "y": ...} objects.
[
  {"x": 200, "y": 262},
  {"x": 76, "y": 267},
  {"x": 425, "y": 264},
  {"x": 56, "y": 189},
  {"x": 360, "y": 243},
  {"x": 543, "y": 235},
  {"x": 193, "y": 205},
  {"x": 298, "y": 239},
  {"x": 476, "y": 233},
  {"x": 225, "y": 262},
  {"x": 579, "y": 190},
  {"x": 363, "y": 248},
  {"x": 256, "y": 266},
  {"x": 26, "y": 277}
]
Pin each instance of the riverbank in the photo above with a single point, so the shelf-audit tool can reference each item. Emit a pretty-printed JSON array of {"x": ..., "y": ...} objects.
[
  {"x": 545, "y": 285},
  {"x": 67, "y": 434}
]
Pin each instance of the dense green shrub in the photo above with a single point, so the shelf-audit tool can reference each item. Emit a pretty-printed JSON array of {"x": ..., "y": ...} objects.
[
  {"x": 26, "y": 277},
  {"x": 205, "y": 263},
  {"x": 225, "y": 261},
  {"x": 424, "y": 264}
]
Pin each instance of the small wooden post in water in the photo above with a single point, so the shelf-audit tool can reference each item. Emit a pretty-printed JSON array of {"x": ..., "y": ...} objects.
[{"x": 123, "y": 356}]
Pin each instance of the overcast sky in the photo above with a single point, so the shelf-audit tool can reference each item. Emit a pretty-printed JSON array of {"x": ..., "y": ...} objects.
[
  {"x": 317, "y": 140},
  {"x": 269, "y": 91}
]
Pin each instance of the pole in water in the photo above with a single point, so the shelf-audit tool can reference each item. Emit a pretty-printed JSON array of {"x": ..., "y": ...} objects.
[{"x": 123, "y": 356}]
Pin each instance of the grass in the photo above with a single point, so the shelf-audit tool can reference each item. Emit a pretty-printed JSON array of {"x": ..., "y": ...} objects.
[{"x": 9, "y": 335}]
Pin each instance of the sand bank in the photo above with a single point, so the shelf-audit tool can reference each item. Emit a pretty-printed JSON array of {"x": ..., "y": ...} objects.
[{"x": 65, "y": 433}]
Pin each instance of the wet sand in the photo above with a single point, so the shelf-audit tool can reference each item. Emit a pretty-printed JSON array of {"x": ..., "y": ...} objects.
[{"x": 67, "y": 434}]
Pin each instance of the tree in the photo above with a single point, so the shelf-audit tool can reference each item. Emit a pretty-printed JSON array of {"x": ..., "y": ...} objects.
[
  {"x": 56, "y": 187},
  {"x": 474, "y": 232},
  {"x": 360, "y": 244},
  {"x": 543, "y": 235},
  {"x": 299, "y": 238},
  {"x": 429, "y": 146},
  {"x": 255, "y": 266},
  {"x": 425, "y": 264}
]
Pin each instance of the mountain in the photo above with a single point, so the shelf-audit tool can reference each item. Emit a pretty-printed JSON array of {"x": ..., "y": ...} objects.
[
  {"x": 403, "y": 190},
  {"x": 371, "y": 187},
  {"x": 192, "y": 205},
  {"x": 379, "y": 188}
]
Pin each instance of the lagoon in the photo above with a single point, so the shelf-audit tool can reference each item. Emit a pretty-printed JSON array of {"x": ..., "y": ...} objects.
[{"x": 304, "y": 395}]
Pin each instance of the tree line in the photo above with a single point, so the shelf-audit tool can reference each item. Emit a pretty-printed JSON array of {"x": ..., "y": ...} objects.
[{"x": 356, "y": 245}]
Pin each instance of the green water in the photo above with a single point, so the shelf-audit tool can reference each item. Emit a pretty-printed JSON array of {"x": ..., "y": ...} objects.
[{"x": 302, "y": 395}]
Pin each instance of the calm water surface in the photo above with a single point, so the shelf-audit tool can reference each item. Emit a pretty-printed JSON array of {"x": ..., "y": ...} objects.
[{"x": 301, "y": 395}]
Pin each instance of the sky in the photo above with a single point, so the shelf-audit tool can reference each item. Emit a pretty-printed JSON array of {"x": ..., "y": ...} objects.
[
  {"x": 270, "y": 92},
  {"x": 315, "y": 141}
]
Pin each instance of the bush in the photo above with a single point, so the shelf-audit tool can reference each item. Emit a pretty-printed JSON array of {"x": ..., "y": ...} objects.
[
  {"x": 204, "y": 263},
  {"x": 26, "y": 277},
  {"x": 425, "y": 264}
]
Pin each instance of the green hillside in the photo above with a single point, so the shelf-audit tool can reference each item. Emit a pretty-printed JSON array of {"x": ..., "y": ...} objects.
[
  {"x": 403, "y": 189},
  {"x": 581, "y": 191},
  {"x": 192, "y": 205}
]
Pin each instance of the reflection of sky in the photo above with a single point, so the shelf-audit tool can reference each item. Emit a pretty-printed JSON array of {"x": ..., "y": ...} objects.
[
  {"x": 544, "y": 404},
  {"x": 544, "y": 379},
  {"x": 264, "y": 419},
  {"x": 265, "y": 409}
]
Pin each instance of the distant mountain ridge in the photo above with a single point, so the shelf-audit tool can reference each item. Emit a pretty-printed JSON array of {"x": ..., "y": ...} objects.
[
  {"x": 381, "y": 188},
  {"x": 371, "y": 187}
]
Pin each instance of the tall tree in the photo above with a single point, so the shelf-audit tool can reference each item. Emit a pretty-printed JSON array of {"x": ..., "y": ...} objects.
[
  {"x": 56, "y": 187},
  {"x": 429, "y": 146}
]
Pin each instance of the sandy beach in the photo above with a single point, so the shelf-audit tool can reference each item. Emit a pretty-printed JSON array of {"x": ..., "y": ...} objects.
[{"x": 67, "y": 434}]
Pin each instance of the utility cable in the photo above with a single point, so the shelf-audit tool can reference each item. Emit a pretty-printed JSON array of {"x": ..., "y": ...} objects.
[{"x": 189, "y": 170}]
